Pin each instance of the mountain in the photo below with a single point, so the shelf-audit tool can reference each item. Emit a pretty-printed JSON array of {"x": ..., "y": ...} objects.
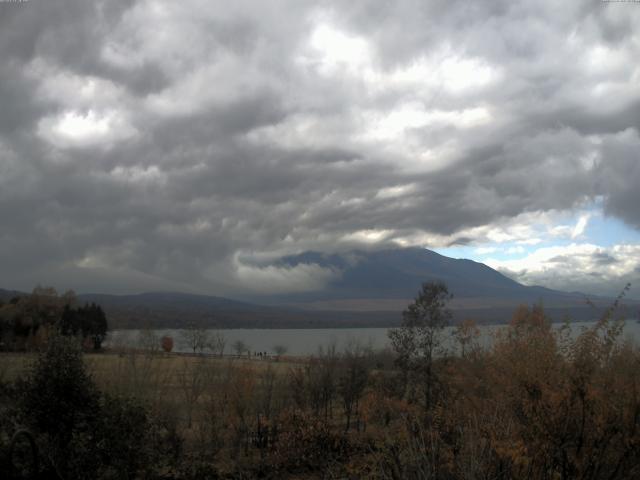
[
  {"x": 367, "y": 289},
  {"x": 387, "y": 280},
  {"x": 172, "y": 309},
  {"x": 399, "y": 273},
  {"x": 167, "y": 300},
  {"x": 6, "y": 295}
]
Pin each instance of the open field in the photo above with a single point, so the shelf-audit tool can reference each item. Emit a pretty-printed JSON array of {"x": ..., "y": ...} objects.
[
  {"x": 13, "y": 365},
  {"x": 206, "y": 401},
  {"x": 182, "y": 381},
  {"x": 102, "y": 365}
]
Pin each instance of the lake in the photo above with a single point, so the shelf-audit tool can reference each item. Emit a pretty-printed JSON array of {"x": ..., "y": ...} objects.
[{"x": 308, "y": 341}]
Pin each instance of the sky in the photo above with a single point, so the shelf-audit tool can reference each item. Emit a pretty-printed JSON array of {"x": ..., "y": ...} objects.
[{"x": 162, "y": 145}]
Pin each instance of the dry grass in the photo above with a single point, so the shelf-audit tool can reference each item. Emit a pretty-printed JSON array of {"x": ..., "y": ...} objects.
[
  {"x": 103, "y": 365},
  {"x": 187, "y": 388},
  {"x": 14, "y": 365}
]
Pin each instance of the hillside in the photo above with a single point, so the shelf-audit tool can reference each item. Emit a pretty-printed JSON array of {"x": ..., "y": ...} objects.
[
  {"x": 368, "y": 289},
  {"x": 389, "y": 279},
  {"x": 398, "y": 273}
]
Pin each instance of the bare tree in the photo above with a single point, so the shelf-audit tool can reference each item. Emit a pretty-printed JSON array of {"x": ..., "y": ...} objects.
[
  {"x": 353, "y": 378},
  {"x": 141, "y": 375},
  {"x": 467, "y": 334},
  {"x": 192, "y": 381},
  {"x": 240, "y": 347},
  {"x": 321, "y": 373},
  {"x": 419, "y": 338},
  {"x": 148, "y": 341},
  {"x": 217, "y": 343},
  {"x": 279, "y": 350},
  {"x": 265, "y": 391},
  {"x": 196, "y": 338},
  {"x": 212, "y": 427}
]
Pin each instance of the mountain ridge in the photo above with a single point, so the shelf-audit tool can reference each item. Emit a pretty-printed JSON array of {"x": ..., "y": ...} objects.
[
  {"x": 369, "y": 289},
  {"x": 399, "y": 273}
]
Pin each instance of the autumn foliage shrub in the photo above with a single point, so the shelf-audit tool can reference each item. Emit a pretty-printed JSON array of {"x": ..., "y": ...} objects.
[
  {"x": 539, "y": 404},
  {"x": 166, "y": 343},
  {"x": 306, "y": 444}
]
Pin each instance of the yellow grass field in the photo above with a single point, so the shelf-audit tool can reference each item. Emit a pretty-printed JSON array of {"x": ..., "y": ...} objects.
[{"x": 111, "y": 367}]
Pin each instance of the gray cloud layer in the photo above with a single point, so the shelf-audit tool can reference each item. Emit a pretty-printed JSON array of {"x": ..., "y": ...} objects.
[{"x": 160, "y": 144}]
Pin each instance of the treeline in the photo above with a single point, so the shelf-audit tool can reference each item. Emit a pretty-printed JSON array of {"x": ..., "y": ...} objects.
[
  {"x": 27, "y": 321},
  {"x": 539, "y": 403}
]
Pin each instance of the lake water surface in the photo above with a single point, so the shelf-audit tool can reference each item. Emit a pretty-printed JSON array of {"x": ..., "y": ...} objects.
[{"x": 303, "y": 341}]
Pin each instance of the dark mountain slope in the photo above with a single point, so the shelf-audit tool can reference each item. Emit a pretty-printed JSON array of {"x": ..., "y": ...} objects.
[
  {"x": 399, "y": 273},
  {"x": 368, "y": 289}
]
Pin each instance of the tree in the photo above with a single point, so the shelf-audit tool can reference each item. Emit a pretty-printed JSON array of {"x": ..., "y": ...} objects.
[
  {"x": 93, "y": 323},
  {"x": 196, "y": 338},
  {"x": 90, "y": 321},
  {"x": 59, "y": 398},
  {"x": 192, "y": 382},
  {"x": 81, "y": 432},
  {"x": 166, "y": 343},
  {"x": 69, "y": 321},
  {"x": 419, "y": 338},
  {"x": 279, "y": 350},
  {"x": 467, "y": 334},
  {"x": 240, "y": 347},
  {"x": 321, "y": 373},
  {"x": 127, "y": 442},
  {"x": 353, "y": 379},
  {"x": 24, "y": 315},
  {"x": 148, "y": 340},
  {"x": 217, "y": 343}
]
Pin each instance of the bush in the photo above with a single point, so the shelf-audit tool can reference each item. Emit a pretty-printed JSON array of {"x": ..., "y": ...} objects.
[
  {"x": 122, "y": 438},
  {"x": 81, "y": 433},
  {"x": 58, "y": 393},
  {"x": 308, "y": 444},
  {"x": 166, "y": 343}
]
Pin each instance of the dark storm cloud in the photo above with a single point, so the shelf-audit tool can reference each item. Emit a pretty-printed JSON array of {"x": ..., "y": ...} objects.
[
  {"x": 71, "y": 33},
  {"x": 619, "y": 175},
  {"x": 160, "y": 144}
]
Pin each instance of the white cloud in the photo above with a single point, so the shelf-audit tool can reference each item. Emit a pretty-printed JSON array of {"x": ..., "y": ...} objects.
[
  {"x": 273, "y": 279},
  {"x": 393, "y": 125},
  {"x": 580, "y": 226},
  {"x": 332, "y": 51},
  {"x": 139, "y": 174},
  {"x": 444, "y": 70},
  {"x": 371, "y": 236},
  {"x": 79, "y": 129},
  {"x": 485, "y": 250},
  {"x": 578, "y": 266},
  {"x": 397, "y": 191}
]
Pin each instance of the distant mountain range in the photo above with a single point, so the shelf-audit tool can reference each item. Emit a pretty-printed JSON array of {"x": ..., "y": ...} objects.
[
  {"x": 399, "y": 273},
  {"x": 368, "y": 289}
]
